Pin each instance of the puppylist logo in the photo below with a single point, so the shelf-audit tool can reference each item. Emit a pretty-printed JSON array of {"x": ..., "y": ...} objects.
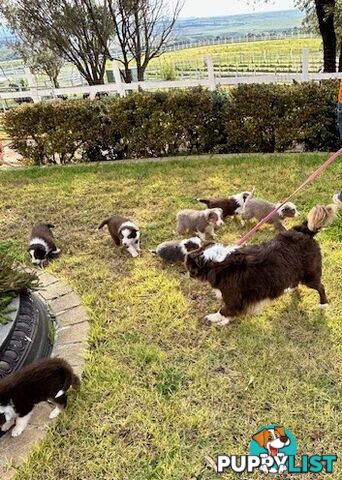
[{"x": 273, "y": 450}]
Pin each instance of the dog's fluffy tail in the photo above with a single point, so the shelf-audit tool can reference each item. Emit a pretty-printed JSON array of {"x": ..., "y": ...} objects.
[
  {"x": 321, "y": 216},
  {"x": 102, "y": 224},
  {"x": 318, "y": 217}
]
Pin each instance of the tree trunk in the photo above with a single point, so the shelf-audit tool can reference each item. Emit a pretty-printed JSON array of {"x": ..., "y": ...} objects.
[
  {"x": 55, "y": 81},
  {"x": 141, "y": 73},
  {"x": 325, "y": 14},
  {"x": 340, "y": 59},
  {"x": 127, "y": 74}
]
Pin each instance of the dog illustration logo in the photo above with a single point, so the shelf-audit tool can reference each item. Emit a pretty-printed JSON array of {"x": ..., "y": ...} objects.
[{"x": 276, "y": 442}]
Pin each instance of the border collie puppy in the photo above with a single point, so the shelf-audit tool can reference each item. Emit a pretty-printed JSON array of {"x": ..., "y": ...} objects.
[
  {"x": 123, "y": 232},
  {"x": 46, "y": 380},
  {"x": 42, "y": 243},
  {"x": 175, "y": 251},
  {"x": 250, "y": 276},
  {"x": 230, "y": 206},
  {"x": 199, "y": 222},
  {"x": 259, "y": 209}
]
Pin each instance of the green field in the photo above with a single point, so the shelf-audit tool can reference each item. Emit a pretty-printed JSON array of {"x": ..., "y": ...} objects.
[
  {"x": 259, "y": 56},
  {"x": 161, "y": 391}
]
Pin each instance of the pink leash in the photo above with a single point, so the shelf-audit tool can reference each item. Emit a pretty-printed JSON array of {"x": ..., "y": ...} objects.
[{"x": 310, "y": 178}]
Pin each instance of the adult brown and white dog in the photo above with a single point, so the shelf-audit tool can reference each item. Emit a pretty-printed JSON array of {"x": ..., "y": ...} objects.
[
  {"x": 45, "y": 380},
  {"x": 42, "y": 244},
  {"x": 248, "y": 277},
  {"x": 124, "y": 232},
  {"x": 199, "y": 222},
  {"x": 259, "y": 209},
  {"x": 230, "y": 206}
]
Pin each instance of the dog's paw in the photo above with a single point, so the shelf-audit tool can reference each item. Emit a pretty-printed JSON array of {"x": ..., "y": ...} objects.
[
  {"x": 323, "y": 306},
  {"x": 216, "y": 319},
  {"x": 7, "y": 425},
  {"x": 17, "y": 431}
]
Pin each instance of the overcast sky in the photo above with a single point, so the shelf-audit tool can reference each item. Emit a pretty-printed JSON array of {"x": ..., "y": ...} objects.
[{"x": 212, "y": 8}]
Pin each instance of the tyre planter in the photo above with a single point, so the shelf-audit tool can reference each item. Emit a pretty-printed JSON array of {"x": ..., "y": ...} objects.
[{"x": 28, "y": 336}]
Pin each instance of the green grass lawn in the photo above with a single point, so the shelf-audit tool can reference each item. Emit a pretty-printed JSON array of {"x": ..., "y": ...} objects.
[{"x": 161, "y": 391}]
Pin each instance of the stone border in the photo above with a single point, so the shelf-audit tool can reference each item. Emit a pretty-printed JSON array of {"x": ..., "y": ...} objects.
[{"x": 71, "y": 343}]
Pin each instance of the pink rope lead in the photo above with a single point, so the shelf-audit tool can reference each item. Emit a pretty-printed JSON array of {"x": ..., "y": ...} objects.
[{"x": 310, "y": 178}]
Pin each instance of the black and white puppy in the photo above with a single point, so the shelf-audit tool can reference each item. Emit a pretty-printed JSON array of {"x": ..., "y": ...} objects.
[
  {"x": 230, "y": 206},
  {"x": 175, "y": 251},
  {"x": 42, "y": 244},
  {"x": 124, "y": 232},
  {"x": 45, "y": 380}
]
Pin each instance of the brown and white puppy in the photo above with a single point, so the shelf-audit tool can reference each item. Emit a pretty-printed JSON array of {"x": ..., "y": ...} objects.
[
  {"x": 123, "y": 232},
  {"x": 259, "y": 209},
  {"x": 42, "y": 243},
  {"x": 250, "y": 276},
  {"x": 175, "y": 251},
  {"x": 45, "y": 380},
  {"x": 199, "y": 222},
  {"x": 230, "y": 206}
]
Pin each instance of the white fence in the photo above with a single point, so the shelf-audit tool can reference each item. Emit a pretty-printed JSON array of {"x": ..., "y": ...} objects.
[{"x": 211, "y": 81}]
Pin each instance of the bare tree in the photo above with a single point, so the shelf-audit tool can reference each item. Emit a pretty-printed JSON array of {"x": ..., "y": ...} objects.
[
  {"x": 142, "y": 28},
  {"x": 67, "y": 27}
]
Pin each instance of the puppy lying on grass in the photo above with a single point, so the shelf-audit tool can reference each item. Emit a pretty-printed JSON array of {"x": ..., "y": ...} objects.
[
  {"x": 249, "y": 277},
  {"x": 175, "y": 251}
]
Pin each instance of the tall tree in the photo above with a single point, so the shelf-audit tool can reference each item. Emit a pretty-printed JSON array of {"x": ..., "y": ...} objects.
[
  {"x": 142, "y": 28},
  {"x": 67, "y": 27}
]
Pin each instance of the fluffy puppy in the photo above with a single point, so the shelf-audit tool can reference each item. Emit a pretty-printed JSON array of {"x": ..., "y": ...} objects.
[
  {"x": 42, "y": 243},
  {"x": 175, "y": 251},
  {"x": 230, "y": 206},
  {"x": 259, "y": 209},
  {"x": 199, "y": 222},
  {"x": 123, "y": 232},
  {"x": 250, "y": 276},
  {"x": 46, "y": 380}
]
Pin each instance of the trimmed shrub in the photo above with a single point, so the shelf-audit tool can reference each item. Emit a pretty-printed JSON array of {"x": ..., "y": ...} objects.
[{"x": 248, "y": 118}]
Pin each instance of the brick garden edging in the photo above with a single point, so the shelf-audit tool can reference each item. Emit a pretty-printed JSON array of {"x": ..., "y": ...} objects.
[{"x": 71, "y": 343}]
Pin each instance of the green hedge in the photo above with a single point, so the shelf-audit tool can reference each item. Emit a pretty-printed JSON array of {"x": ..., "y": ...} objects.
[{"x": 248, "y": 118}]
